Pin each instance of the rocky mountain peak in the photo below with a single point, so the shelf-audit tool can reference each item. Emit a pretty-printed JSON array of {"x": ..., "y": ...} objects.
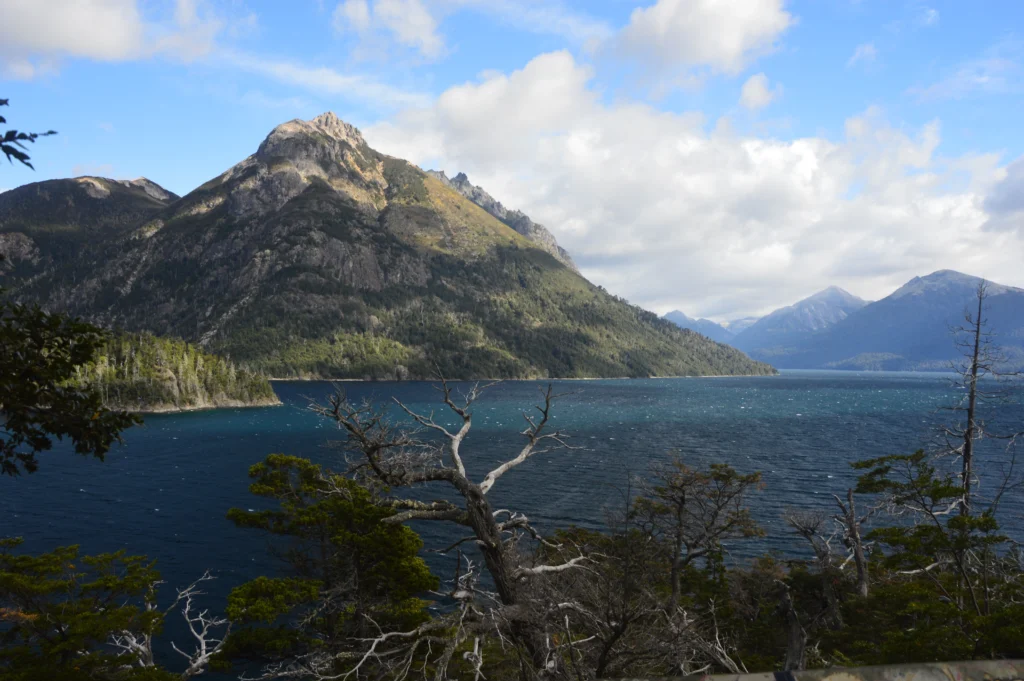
[
  {"x": 326, "y": 124},
  {"x": 330, "y": 124}
]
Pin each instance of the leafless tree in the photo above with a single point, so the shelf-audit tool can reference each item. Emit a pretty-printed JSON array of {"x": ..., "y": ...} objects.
[
  {"x": 978, "y": 375},
  {"x": 209, "y": 632},
  {"x": 853, "y": 539},
  {"x": 389, "y": 453},
  {"x": 617, "y": 622},
  {"x": 815, "y": 527}
]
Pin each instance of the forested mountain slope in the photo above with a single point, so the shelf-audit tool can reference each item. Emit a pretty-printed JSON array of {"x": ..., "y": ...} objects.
[
  {"x": 45, "y": 225},
  {"x": 319, "y": 257}
]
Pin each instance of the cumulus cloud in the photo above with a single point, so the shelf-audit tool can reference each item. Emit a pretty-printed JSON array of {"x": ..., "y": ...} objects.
[
  {"x": 673, "y": 211},
  {"x": 35, "y": 35},
  {"x": 755, "y": 93},
  {"x": 408, "y": 22},
  {"x": 721, "y": 36},
  {"x": 862, "y": 54}
]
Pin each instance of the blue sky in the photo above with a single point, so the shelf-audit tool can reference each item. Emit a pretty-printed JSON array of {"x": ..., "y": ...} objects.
[{"x": 719, "y": 156}]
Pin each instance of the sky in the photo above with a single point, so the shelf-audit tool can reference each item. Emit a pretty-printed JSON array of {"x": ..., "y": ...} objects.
[{"x": 721, "y": 157}]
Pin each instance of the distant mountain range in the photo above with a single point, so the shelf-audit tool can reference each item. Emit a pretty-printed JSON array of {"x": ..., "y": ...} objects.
[
  {"x": 789, "y": 326},
  {"x": 706, "y": 327},
  {"x": 907, "y": 330},
  {"x": 319, "y": 257}
]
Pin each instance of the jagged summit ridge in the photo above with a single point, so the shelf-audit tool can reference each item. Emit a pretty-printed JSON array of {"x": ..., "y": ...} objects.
[
  {"x": 326, "y": 123},
  {"x": 515, "y": 219}
]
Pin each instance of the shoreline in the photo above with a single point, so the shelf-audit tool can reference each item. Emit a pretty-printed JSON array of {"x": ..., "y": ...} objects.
[
  {"x": 171, "y": 409},
  {"x": 509, "y": 380}
]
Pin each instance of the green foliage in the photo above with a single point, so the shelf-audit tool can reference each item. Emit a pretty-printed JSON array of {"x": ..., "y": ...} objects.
[
  {"x": 12, "y": 141},
  {"x": 141, "y": 372},
  {"x": 513, "y": 313},
  {"x": 58, "y": 609},
  {"x": 39, "y": 354},
  {"x": 353, "y": 572}
]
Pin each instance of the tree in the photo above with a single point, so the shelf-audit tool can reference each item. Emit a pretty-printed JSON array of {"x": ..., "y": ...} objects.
[
  {"x": 391, "y": 455},
  {"x": 693, "y": 511},
  {"x": 978, "y": 376},
  {"x": 39, "y": 355},
  {"x": 12, "y": 141},
  {"x": 353, "y": 576},
  {"x": 58, "y": 609}
]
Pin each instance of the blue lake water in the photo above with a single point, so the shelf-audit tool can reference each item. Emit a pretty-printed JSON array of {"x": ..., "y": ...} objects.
[{"x": 164, "y": 493}]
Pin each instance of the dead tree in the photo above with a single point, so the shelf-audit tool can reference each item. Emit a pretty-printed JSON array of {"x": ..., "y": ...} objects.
[
  {"x": 394, "y": 456},
  {"x": 978, "y": 373},
  {"x": 853, "y": 538},
  {"x": 209, "y": 632},
  {"x": 796, "y": 635},
  {"x": 813, "y": 526}
]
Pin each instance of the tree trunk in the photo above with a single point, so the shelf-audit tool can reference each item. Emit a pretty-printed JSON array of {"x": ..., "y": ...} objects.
[
  {"x": 972, "y": 399},
  {"x": 796, "y": 645},
  {"x": 859, "y": 560},
  {"x": 676, "y": 563},
  {"x": 502, "y": 571}
]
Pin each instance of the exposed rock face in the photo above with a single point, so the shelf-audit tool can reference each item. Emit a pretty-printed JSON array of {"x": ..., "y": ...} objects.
[
  {"x": 515, "y": 219},
  {"x": 319, "y": 257}
]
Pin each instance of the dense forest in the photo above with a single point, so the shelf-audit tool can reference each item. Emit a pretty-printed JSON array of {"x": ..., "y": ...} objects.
[{"x": 143, "y": 373}]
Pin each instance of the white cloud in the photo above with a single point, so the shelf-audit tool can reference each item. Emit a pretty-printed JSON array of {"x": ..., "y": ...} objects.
[
  {"x": 408, "y": 22},
  {"x": 352, "y": 15},
  {"x": 1005, "y": 203},
  {"x": 722, "y": 36},
  {"x": 864, "y": 53},
  {"x": 322, "y": 80},
  {"x": 731, "y": 224},
  {"x": 35, "y": 35},
  {"x": 997, "y": 71},
  {"x": 105, "y": 126},
  {"x": 756, "y": 94}
]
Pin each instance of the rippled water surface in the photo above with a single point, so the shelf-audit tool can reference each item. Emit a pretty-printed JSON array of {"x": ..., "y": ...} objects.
[{"x": 165, "y": 492}]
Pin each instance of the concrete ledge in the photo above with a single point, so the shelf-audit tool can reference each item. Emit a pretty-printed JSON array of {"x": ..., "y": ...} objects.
[{"x": 988, "y": 670}]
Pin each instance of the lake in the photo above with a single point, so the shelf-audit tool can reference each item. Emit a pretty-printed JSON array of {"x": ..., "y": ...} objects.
[{"x": 165, "y": 492}]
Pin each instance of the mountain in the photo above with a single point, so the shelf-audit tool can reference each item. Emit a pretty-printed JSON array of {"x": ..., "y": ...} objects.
[
  {"x": 515, "y": 219},
  {"x": 781, "y": 332},
  {"x": 705, "y": 327},
  {"x": 46, "y": 224},
  {"x": 143, "y": 373},
  {"x": 319, "y": 257},
  {"x": 737, "y": 325},
  {"x": 910, "y": 329}
]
